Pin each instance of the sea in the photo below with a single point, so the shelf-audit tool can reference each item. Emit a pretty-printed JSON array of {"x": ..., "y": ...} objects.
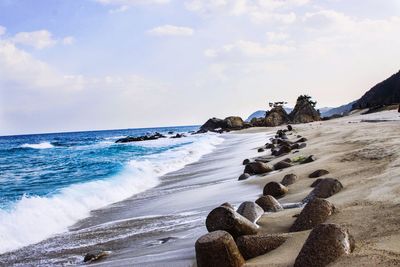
[{"x": 65, "y": 194}]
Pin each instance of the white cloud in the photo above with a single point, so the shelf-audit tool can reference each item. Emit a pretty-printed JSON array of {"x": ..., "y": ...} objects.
[
  {"x": 37, "y": 39},
  {"x": 250, "y": 49},
  {"x": 277, "y": 36},
  {"x": 69, "y": 40},
  {"x": 131, "y": 2},
  {"x": 2, "y": 30},
  {"x": 171, "y": 30}
]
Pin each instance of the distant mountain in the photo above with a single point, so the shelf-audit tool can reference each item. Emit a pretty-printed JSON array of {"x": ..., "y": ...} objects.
[
  {"x": 342, "y": 110},
  {"x": 384, "y": 93},
  {"x": 261, "y": 114}
]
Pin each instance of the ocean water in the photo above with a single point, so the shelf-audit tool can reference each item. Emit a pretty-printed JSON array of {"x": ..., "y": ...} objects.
[{"x": 49, "y": 182}]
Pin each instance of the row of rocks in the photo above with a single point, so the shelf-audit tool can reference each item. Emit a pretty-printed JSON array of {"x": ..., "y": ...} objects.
[
  {"x": 154, "y": 136},
  {"x": 233, "y": 234}
]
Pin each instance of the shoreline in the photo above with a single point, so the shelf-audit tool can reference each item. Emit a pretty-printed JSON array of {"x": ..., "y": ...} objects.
[{"x": 362, "y": 152}]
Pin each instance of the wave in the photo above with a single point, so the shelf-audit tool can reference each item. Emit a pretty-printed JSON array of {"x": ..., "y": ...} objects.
[
  {"x": 43, "y": 145},
  {"x": 35, "y": 218}
]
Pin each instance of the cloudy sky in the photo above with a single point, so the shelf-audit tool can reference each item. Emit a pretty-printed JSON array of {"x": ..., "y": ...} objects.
[{"x": 109, "y": 64}]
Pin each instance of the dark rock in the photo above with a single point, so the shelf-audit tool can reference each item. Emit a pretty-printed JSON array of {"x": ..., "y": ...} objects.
[
  {"x": 269, "y": 204},
  {"x": 269, "y": 146},
  {"x": 309, "y": 159},
  {"x": 264, "y": 159},
  {"x": 316, "y": 182},
  {"x": 218, "y": 249},
  {"x": 261, "y": 150},
  {"x": 315, "y": 212},
  {"x": 304, "y": 111},
  {"x": 226, "y": 219},
  {"x": 325, "y": 244},
  {"x": 258, "y": 122},
  {"x": 257, "y": 168},
  {"x": 327, "y": 187},
  {"x": 282, "y": 165},
  {"x": 140, "y": 138},
  {"x": 257, "y": 245},
  {"x": 234, "y": 123},
  {"x": 298, "y": 146},
  {"x": 166, "y": 239},
  {"x": 289, "y": 179},
  {"x": 275, "y": 189},
  {"x": 228, "y": 205},
  {"x": 277, "y": 116},
  {"x": 170, "y": 132},
  {"x": 178, "y": 136},
  {"x": 250, "y": 211},
  {"x": 283, "y": 150},
  {"x": 246, "y": 161},
  {"x": 213, "y": 124},
  {"x": 244, "y": 176},
  {"x": 95, "y": 256},
  {"x": 318, "y": 173},
  {"x": 301, "y": 140},
  {"x": 290, "y": 128}
]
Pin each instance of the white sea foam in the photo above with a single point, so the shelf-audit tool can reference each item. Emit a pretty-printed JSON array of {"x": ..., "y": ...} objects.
[
  {"x": 33, "y": 219},
  {"x": 42, "y": 145}
]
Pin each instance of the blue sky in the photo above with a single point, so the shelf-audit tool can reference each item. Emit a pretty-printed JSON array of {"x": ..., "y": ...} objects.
[{"x": 102, "y": 64}]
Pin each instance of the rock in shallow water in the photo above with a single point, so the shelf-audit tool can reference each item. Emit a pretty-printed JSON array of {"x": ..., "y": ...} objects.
[
  {"x": 315, "y": 212},
  {"x": 252, "y": 246},
  {"x": 250, "y": 211},
  {"x": 269, "y": 204},
  {"x": 275, "y": 189},
  {"x": 244, "y": 176},
  {"x": 218, "y": 249},
  {"x": 282, "y": 165},
  {"x": 228, "y": 220},
  {"x": 95, "y": 256},
  {"x": 325, "y": 244}
]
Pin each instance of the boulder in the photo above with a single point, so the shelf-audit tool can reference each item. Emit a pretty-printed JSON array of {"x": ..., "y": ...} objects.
[
  {"x": 178, "y": 136},
  {"x": 95, "y": 256},
  {"x": 250, "y": 211},
  {"x": 257, "y": 168},
  {"x": 226, "y": 219},
  {"x": 213, "y": 124},
  {"x": 290, "y": 128},
  {"x": 316, "y": 182},
  {"x": 298, "y": 146},
  {"x": 327, "y": 187},
  {"x": 252, "y": 246},
  {"x": 277, "y": 116},
  {"x": 275, "y": 189},
  {"x": 318, "y": 173},
  {"x": 269, "y": 204},
  {"x": 244, "y": 176},
  {"x": 315, "y": 212},
  {"x": 218, "y": 249},
  {"x": 258, "y": 122},
  {"x": 289, "y": 179},
  {"x": 246, "y": 161},
  {"x": 234, "y": 123},
  {"x": 309, "y": 159},
  {"x": 304, "y": 111},
  {"x": 282, "y": 165},
  {"x": 325, "y": 244},
  {"x": 282, "y": 151},
  {"x": 228, "y": 205},
  {"x": 269, "y": 146},
  {"x": 261, "y": 150}
]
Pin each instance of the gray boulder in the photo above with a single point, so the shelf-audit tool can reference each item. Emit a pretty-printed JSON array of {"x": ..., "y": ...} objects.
[
  {"x": 250, "y": 211},
  {"x": 269, "y": 204},
  {"x": 252, "y": 246}
]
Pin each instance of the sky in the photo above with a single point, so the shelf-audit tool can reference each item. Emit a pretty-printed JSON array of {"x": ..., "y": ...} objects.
[{"x": 71, "y": 65}]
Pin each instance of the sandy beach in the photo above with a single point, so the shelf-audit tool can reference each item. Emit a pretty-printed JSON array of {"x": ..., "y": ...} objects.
[{"x": 362, "y": 152}]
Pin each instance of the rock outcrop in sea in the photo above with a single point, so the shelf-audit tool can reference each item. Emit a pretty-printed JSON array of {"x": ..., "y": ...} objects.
[{"x": 304, "y": 111}]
